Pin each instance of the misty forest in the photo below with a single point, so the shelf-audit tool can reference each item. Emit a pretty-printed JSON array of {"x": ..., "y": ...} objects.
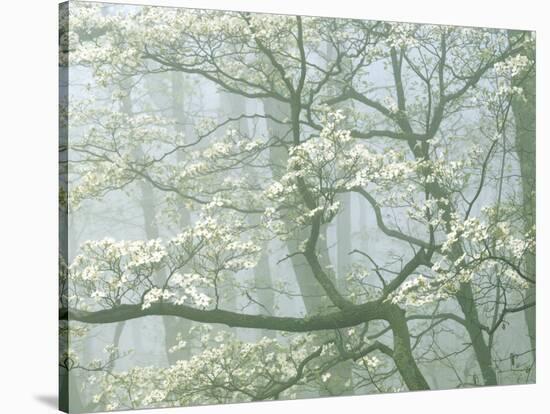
[{"x": 259, "y": 207}]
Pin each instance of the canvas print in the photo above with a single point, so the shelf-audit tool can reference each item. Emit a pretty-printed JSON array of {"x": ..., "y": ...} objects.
[{"x": 257, "y": 207}]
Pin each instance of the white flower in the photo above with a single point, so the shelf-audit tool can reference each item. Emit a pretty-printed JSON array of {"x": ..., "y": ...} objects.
[{"x": 325, "y": 377}]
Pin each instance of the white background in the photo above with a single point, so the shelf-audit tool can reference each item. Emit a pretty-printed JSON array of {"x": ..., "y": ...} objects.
[{"x": 28, "y": 204}]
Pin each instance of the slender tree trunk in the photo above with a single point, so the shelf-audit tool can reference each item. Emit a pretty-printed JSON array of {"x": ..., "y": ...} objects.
[
  {"x": 147, "y": 204},
  {"x": 482, "y": 351},
  {"x": 175, "y": 326},
  {"x": 524, "y": 111},
  {"x": 314, "y": 297},
  {"x": 312, "y": 294},
  {"x": 343, "y": 236},
  {"x": 466, "y": 300},
  {"x": 235, "y": 106},
  {"x": 343, "y": 239}
]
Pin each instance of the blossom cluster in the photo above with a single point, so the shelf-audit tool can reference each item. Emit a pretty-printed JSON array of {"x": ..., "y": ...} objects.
[
  {"x": 183, "y": 270},
  {"x": 329, "y": 164},
  {"x": 228, "y": 369}
]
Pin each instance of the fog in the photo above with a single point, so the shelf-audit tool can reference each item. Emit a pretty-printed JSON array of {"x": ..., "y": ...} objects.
[{"x": 152, "y": 93}]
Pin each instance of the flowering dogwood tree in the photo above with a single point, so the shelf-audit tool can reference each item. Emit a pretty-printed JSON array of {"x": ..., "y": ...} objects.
[{"x": 221, "y": 150}]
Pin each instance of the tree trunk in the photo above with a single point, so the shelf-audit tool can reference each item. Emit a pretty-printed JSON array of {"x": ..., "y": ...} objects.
[
  {"x": 525, "y": 121},
  {"x": 402, "y": 352},
  {"x": 482, "y": 351},
  {"x": 466, "y": 300}
]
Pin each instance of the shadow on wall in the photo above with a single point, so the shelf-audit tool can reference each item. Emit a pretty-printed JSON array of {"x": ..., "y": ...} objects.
[{"x": 47, "y": 400}]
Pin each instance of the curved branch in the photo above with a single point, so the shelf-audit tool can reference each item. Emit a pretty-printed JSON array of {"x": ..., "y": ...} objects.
[{"x": 387, "y": 231}]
